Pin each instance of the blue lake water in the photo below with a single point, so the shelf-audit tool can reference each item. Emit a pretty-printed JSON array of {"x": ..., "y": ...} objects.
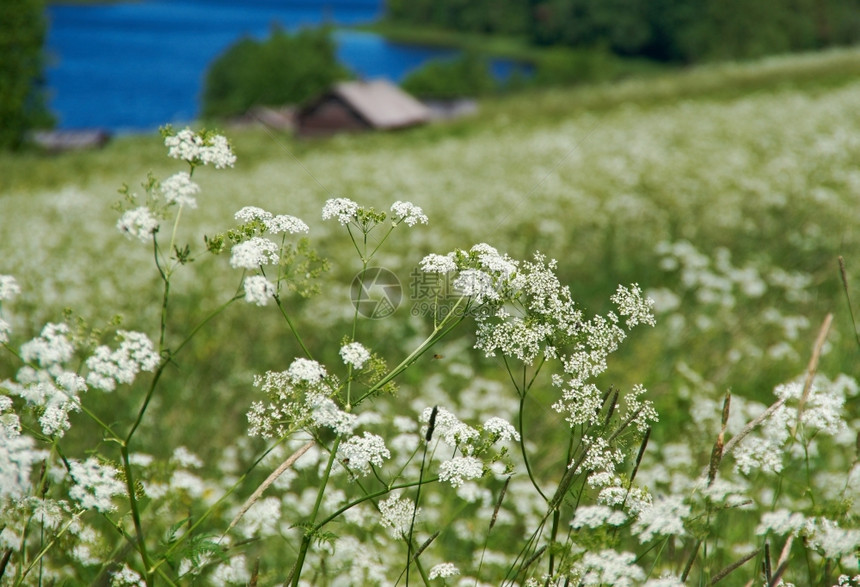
[{"x": 134, "y": 66}]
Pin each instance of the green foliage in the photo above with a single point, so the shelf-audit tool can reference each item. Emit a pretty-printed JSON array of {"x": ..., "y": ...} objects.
[
  {"x": 468, "y": 75},
  {"x": 22, "y": 105},
  {"x": 664, "y": 30},
  {"x": 283, "y": 69},
  {"x": 487, "y": 16}
]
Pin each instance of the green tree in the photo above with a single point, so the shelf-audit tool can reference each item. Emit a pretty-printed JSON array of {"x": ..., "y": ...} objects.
[
  {"x": 467, "y": 75},
  {"x": 283, "y": 69},
  {"x": 22, "y": 95}
]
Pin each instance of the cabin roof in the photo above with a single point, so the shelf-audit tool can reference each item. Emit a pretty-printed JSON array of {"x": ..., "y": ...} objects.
[{"x": 381, "y": 104}]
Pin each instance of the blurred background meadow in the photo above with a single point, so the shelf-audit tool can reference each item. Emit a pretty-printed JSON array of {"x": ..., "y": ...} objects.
[{"x": 718, "y": 168}]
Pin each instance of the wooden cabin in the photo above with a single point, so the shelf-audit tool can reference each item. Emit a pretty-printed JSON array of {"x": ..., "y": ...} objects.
[{"x": 357, "y": 106}]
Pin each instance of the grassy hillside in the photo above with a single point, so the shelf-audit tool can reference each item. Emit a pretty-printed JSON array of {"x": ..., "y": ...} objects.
[{"x": 727, "y": 193}]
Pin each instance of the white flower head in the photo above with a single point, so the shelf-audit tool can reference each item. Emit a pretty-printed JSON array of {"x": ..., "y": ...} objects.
[
  {"x": 253, "y": 253},
  {"x": 9, "y": 288},
  {"x": 664, "y": 517},
  {"x": 5, "y": 331},
  {"x": 286, "y": 223},
  {"x": 198, "y": 149},
  {"x": 443, "y": 570},
  {"x": 397, "y": 514},
  {"x": 258, "y": 290},
  {"x": 95, "y": 484},
  {"x": 139, "y": 223},
  {"x": 306, "y": 370},
  {"x": 633, "y": 306},
  {"x": 450, "y": 429},
  {"x": 460, "y": 469},
  {"x": 501, "y": 430},
  {"x": 354, "y": 354},
  {"x": 360, "y": 452},
  {"x": 343, "y": 209},
  {"x": 407, "y": 212},
  {"x": 136, "y": 353},
  {"x": 126, "y": 577},
  {"x": 324, "y": 412},
  {"x": 179, "y": 189},
  {"x": 609, "y": 567},
  {"x": 52, "y": 347},
  {"x": 476, "y": 284},
  {"x": 218, "y": 152},
  {"x": 251, "y": 213},
  {"x": 434, "y": 263}
]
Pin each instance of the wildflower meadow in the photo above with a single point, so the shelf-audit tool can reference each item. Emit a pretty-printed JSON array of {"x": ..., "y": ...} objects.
[{"x": 609, "y": 344}]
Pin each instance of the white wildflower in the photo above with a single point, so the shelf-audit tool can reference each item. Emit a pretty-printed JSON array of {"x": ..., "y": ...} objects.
[
  {"x": 665, "y": 580},
  {"x": 253, "y": 253},
  {"x": 664, "y": 517},
  {"x": 233, "y": 573},
  {"x": 183, "y": 457},
  {"x": 251, "y": 213},
  {"x": 443, "y": 570},
  {"x": 139, "y": 223},
  {"x": 783, "y": 521},
  {"x": 193, "y": 148},
  {"x": 95, "y": 484},
  {"x": 10, "y": 425},
  {"x": 834, "y": 542},
  {"x": 306, "y": 370},
  {"x": 324, "y": 412},
  {"x": 218, "y": 152},
  {"x": 609, "y": 567},
  {"x": 126, "y": 577},
  {"x": 408, "y": 212},
  {"x": 262, "y": 519},
  {"x": 136, "y": 353},
  {"x": 360, "y": 452},
  {"x": 460, "y": 469},
  {"x": 52, "y": 347},
  {"x": 453, "y": 432},
  {"x": 5, "y": 331},
  {"x": 501, "y": 430},
  {"x": 179, "y": 189},
  {"x": 18, "y": 455},
  {"x": 397, "y": 515},
  {"x": 633, "y": 306},
  {"x": 595, "y": 516},
  {"x": 434, "y": 263},
  {"x": 258, "y": 290},
  {"x": 286, "y": 223},
  {"x": 9, "y": 288},
  {"x": 354, "y": 354},
  {"x": 185, "y": 145},
  {"x": 476, "y": 284},
  {"x": 187, "y": 482},
  {"x": 343, "y": 209}
]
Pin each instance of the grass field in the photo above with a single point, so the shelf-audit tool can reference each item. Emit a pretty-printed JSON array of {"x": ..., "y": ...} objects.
[{"x": 727, "y": 193}]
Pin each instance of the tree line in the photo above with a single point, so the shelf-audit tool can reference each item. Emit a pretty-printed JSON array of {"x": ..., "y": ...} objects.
[{"x": 679, "y": 31}]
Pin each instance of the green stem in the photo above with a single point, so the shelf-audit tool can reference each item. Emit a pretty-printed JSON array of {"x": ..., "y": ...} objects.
[
  {"x": 309, "y": 533},
  {"x": 292, "y": 327},
  {"x": 522, "y": 444},
  {"x": 439, "y": 332},
  {"x": 135, "y": 514},
  {"x": 385, "y": 238}
]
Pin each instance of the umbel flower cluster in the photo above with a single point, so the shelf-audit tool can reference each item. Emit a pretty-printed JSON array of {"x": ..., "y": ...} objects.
[{"x": 362, "y": 462}]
